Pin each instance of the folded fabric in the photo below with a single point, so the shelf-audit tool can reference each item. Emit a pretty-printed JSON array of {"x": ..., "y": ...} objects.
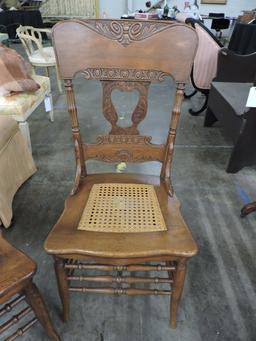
[{"x": 14, "y": 73}]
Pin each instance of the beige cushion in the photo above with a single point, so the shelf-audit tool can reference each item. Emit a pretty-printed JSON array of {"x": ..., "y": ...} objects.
[
  {"x": 48, "y": 56},
  {"x": 20, "y": 104},
  {"x": 9, "y": 128},
  {"x": 16, "y": 166},
  {"x": 14, "y": 73}
]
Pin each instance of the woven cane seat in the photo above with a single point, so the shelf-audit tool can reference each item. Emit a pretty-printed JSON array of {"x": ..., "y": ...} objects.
[
  {"x": 66, "y": 238},
  {"x": 122, "y": 208}
]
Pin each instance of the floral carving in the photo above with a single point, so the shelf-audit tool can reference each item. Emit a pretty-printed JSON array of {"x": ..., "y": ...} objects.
[
  {"x": 126, "y": 148},
  {"x": 124, "y": 74},
  {"x": 124, "y": 139},
  {"x": 139, "y": 112},
  {"x": 126, "y": 32}
]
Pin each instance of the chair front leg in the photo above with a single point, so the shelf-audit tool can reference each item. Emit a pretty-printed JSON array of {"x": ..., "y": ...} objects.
[
  {"x": 179, "y": 279},
  {"x": 62, "y": 281},
  {"x": 35, "y": 300}
]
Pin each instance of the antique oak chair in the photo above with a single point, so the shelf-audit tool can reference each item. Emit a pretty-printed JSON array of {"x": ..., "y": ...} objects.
[
  {"x": 122, "y": 222},
  {"x": 16, "y": 288}
]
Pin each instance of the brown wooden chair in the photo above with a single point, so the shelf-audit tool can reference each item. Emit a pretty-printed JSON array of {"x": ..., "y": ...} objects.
[
  {"x": 17, "y": 287},
  {"x": 123, "y": 222}
]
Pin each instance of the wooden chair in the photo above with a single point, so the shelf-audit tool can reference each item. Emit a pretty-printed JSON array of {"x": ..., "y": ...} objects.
[
  {"x": 16, "y": 280},
  {"x": 38, "y": 55},
  {"x": 123, "y": 222}
]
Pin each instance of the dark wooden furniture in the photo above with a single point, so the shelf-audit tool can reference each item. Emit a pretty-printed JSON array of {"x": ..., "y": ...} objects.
[
  {"x": 227, "y": 104},
  {"x": 12, "y": 20},
  {"x": 219, "y": 22},
  {"x": 228, "y": 107},
  {"x": 16, "y": 287},
  {"x": 251, "y": 207},
  {"x": 121, "y": 54},
  {"x": 243, "y": 39},
  {"x": 235, "y": 68},
  {"x": 247, "y": 209}
]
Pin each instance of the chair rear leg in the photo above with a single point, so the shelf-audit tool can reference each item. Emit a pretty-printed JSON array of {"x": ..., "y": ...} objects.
[
  {"x": 58, "y": 80},
  {"x": 35, "y": 300},
  {"x": 179, "y": 278},
  {"x": 47, "y": 71},
  {"x": 62, "y": 281}
]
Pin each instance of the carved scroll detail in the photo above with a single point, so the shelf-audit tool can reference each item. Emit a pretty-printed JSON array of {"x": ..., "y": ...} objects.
[
  {"x": 124, "y": 74},
  {"x": 124, "y": 139},
  {"x": 127, "y": 148},
  {"x": 139, "y": 112},
  {"x": 126, "y": 32}
]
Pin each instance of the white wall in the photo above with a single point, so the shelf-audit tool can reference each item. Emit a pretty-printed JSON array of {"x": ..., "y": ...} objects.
[
  {"x": 115, "y": 8},
  {"x": 112, "y": 8}
]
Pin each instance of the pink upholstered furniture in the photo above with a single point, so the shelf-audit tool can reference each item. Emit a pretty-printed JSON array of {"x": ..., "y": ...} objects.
[
  {"x": 16, "y": 165},
  {"x": 205, "y": 63}
]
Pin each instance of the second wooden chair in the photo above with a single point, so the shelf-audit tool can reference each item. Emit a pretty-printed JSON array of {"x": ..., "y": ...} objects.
[{"x": 17, "y": 287}]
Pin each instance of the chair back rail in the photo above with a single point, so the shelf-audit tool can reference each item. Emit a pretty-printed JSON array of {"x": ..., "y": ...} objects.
[
  {"x": 124, "y": 55},
  {"x": 31, "y": 39}
]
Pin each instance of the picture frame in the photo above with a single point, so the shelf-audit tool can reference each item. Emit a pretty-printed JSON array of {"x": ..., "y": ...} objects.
[{"x": 214, "y": 2}]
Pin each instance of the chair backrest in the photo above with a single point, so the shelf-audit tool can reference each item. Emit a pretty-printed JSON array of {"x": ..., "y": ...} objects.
[
  {"x": 31, "y": 38},
  {"x": 124, "y": 55},
  {"x": 236, "y": 68},
  {"x": 243, "y": 39}
]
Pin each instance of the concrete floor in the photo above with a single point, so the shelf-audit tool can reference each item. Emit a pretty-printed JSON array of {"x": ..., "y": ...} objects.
[{"x": 219, "y": 301}]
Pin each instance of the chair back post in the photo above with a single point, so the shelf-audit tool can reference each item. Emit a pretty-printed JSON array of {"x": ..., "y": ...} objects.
[
  {"x": 77, "y": 139},
  {"x": 122, "y": 55},
  {"x": 169, "y": 149}
]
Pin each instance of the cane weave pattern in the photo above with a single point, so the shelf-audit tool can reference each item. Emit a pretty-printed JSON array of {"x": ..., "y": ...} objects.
[{"x": 122, "y": 208}]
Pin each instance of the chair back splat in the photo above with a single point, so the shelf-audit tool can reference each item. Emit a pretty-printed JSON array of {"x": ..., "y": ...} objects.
[
  {"x": 124, "y": 55},
  {"x": 31, "y": 39}
]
